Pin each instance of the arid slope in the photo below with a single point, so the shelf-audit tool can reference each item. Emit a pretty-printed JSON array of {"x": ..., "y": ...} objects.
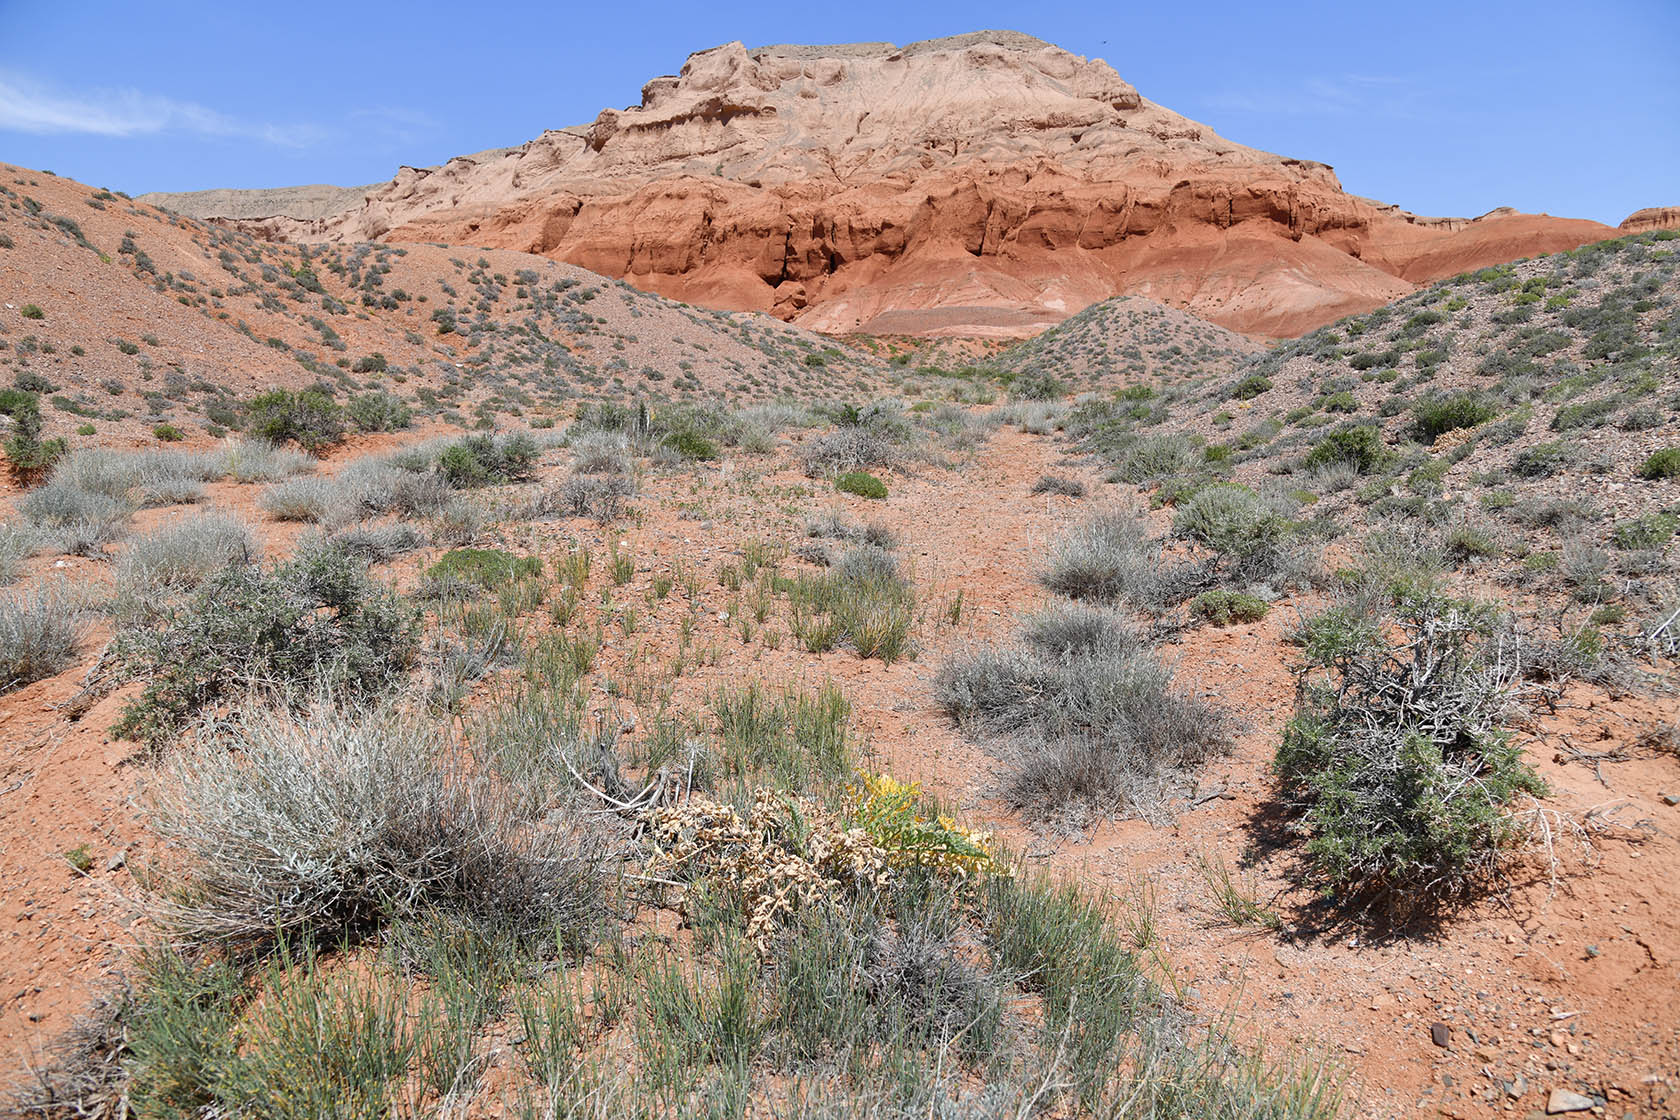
[{"x": 989, "y": 182}]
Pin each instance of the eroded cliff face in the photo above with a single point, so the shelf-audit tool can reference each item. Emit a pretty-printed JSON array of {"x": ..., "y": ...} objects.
[
  {"x": 1652, "y": 217},
  {"x": 991, "y": 176}
]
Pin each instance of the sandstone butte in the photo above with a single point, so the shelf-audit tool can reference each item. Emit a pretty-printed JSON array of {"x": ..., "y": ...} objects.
[{"x": 989, "y": 183}]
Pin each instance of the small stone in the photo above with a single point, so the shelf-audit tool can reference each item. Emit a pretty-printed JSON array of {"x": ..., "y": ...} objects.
[
  {"x": 1670, "y": 798},
  {"x": 1562, "y": 1100},
  {"x": 1516, "y": 1087},
  {"x": 116, "y": 861},
  {"x": 1440, "y": 1034}
]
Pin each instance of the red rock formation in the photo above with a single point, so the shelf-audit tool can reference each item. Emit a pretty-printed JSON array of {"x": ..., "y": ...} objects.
[
  {"x": 991, "y": 176},
  {"x": 1652, "y": 217}
]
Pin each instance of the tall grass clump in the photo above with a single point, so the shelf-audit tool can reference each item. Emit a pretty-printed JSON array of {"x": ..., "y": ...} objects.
[
  {"x": 1110, "y": 557},
  {"x": 72, "y": 521},
  {"x": 300, "y": 499},
  {"x": 40, "y": 634},
  {"x": 178, "y": 557},
  {"x": 863, "y": 601},
  {"x": 18, "y": 542}
]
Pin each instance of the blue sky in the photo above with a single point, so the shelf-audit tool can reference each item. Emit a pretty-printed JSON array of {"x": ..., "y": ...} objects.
[{"x": 1443, "y": 108}]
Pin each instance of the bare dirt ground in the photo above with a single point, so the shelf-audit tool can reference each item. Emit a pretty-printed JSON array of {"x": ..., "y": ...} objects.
[{"x": 1563, "y": 980}]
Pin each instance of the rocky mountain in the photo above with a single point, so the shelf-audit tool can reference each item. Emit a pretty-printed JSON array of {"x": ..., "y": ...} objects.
[{"x": 990, "y": 183}]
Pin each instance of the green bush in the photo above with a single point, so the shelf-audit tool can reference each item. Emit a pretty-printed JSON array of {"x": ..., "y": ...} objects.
[
  {"x": 691, "y": 445},
  {"x": 1435, "y": 416},
  {"x": 373, "y": 363},
  {"x": 1397, "y": 758},
  {"x": 379, "y": 412},
  {"x": 168, "y": 433},
  {"x": 1155, "y": 457},
  {"x": 317, "y": 622},
  {"x": 1361, "y": 446},
  {"x": 483, "y": 460},
  {"x": 1222, "y": 607},
  {"x": 1662, "y": 464},
  {"x": 1251, "y": 386},
  {"x": 1541, "y": 460},
  {"x": 310, "y": 418},
  {"x": 861, "y": 483},
  {"x": 489, "y": 568},
  {"x": 32, "y": 311},
  {"x": 1650, "y": 531},
  {"x": 28, "y": 455}
]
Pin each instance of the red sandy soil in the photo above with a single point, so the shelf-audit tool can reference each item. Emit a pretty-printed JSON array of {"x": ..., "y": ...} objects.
[{"x": 1565, "y": 979}]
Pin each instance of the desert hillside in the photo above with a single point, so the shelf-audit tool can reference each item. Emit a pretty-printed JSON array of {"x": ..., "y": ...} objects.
[
  {"x": 443, "y": 681},
  {"x": 984, "y": 183}
]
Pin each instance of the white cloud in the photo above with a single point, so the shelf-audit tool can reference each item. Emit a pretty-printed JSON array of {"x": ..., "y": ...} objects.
[
  {"x": 29, "y": 106},
  {"x": 1342, "y": 95}
]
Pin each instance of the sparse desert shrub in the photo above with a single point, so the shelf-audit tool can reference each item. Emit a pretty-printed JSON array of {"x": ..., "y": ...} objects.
[
  {"x": 489, "y": 569},
  {"x": 28, "y": 456},
  {"x": 861, "y": 483},
  {"x": 1653, "y": 530},
  {"x": 377, "y": 544},
  {"x": 1541, "y": 460},
  {"x": 1155, "y": 457},
  {"x": 300, "y": 499},
  {"x": 1040, "y": 385},
  {"x": 1398, "y": 760},
  {"x": 316, "y": 623},
  {"x": 483, "y": 460},
  {"x": 1094, "y": 715},
  {"x": 850, "y": 447},
  {"x": 1661, "y": 464},
  {"x": 691, "y": 445},
  {"x": 379, "y": 412},
  {"x": 1223, "y": 607},
  {"x": 256, "y": 461},
  {"x": 1435, "y": 416},
  {"x": 310, "y": 418},
  {"x": 599, "y": 496},
  {"x": 860, "y": 601},
  {"x": 180, "y": 556},
  {"x": 73, "y": 521},
  {"x": 457, "y": 522},
  {"x": 1470, "y": 540},
  {"x": 1251, "y": 386},
  {"x": 328, "y": 825},
  {"x": 1059, "y": 484},
  {"x": 1069, "y": 629},
  {"x": 419, "y": 495},
  {"x": 1360, "y": 445},
  {"x": 599, "y": 452},
  {"x": 40, "y": 634},
  {"x": 1253, "y": 535},
  {"x": 836, "y": 527},
  {"x": 1111, "y": 556},
  {"x": 18, "y": 542},
  {"x": 168, "y": 433}
]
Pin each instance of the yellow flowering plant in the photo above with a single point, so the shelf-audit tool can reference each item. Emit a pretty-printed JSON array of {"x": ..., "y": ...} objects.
[{"x": 889, "y": 811}]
